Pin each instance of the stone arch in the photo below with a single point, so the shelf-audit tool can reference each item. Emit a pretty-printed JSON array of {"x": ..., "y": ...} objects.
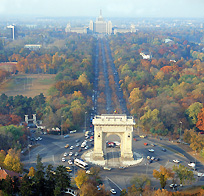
[{"x": 107, "y": 124}]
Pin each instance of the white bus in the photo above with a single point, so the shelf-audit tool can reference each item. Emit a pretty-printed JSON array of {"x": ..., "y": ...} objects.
[{"x": 80, "y": 163}]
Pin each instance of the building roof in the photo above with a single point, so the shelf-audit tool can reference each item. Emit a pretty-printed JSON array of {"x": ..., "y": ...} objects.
[{"x": 5, "y": 172}]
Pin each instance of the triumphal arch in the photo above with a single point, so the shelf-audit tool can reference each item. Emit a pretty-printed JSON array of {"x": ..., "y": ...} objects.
[{"x": 109, "y": 124}]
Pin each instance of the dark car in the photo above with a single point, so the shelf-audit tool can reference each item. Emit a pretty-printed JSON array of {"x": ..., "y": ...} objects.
[{"x": 163, "y": 149}]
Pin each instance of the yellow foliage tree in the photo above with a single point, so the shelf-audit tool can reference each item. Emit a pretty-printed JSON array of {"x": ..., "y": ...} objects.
[
  {"x": 81, "y": 178},
  {"x": 163, "y": 175},
  {"x": 31, "y": 172},
  {"x": 12, "y": 161}
]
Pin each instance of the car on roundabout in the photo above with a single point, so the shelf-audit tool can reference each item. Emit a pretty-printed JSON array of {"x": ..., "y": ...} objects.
[
  {"x": 65, "y": 154},
  {"x": 70, "y": 154},
  {"x": 71, "y": 147},
  {"x": 176, "y": 161},
  {"x": 77, "y": 145},
  {"x": 66, "y": 146},
  {"x": 151, "y": 150},
  {"x": 113, "y": 191},
  {"x": 63, "y": 159},
  {"x": 70, "y": 162},
  {"x": 86, "y": 147},
  {"x": 66, "y": 136}
]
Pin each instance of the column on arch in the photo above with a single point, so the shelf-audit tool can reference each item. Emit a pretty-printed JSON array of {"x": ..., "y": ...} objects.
[
  {"x": 126, "y": 144},
  {"x": 98, "y": 143}
]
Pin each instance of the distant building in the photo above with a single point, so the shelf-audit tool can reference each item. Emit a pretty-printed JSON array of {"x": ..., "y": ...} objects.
[
  {"x": 13, "y": 31},
  {"x": 33, "y": 46},
  {"x": 124, "y": 30},
  {"x": 145, "y": 55},
  {"x": 70, "y": 29},
  {"x": 100, "y": 26},
  {"x": 8, "y": 66}
]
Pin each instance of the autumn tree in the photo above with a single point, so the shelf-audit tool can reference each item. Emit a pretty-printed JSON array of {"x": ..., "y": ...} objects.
[
  {"x": 31, "y": 172},
  {"x": 163, "y": 175},
  {"x": 183, "y": 173},
  {"x": 140, "y": 182},
  {"x": 12, "y": 161},
  {"x": 200, "y": 122},
  {"x": 81, "y": 178}
]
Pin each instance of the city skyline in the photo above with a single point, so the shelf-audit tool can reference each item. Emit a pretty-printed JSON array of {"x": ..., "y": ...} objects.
[{"x": 110, "y": 8}]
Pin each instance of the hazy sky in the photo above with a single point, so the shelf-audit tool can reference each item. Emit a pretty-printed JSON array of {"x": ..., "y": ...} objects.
[{"x": 110, "y": 8}]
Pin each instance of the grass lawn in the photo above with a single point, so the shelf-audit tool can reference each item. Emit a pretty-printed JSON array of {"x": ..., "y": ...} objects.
[{"x": 28, "y": 85}]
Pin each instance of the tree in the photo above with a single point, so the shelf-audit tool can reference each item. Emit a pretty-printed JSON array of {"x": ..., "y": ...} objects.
[
  {"x": 183, "y": 173},
  {"x": 81, "y": 178},
  {"x": 200, "y": 122},
  {"x": 12, "y": 161},
  {"x": 88, "y": 189},
  {"x": 26, "y": 186},
  {"x": 140, "y": 181},
  {"x": 193, "y": 111},
  {"x": 163, "y": 175},
  {"x": 50, "y": 181},
  {"x": 62, "y": 178},
  {"x": 8, "y": 185},
  {"x": 162, "y": 192},
  {"x": 39, "y": 179},
  {"x": 31, "y": 172}
]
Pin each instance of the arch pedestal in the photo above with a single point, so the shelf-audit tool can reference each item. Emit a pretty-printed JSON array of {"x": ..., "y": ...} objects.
[{"x": 108, "y": 124}]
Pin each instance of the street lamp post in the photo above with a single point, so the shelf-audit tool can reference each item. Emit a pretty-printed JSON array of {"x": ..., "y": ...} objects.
[
  {"x": 85, "y": 121},
  {"x": 61, "y": 123},
  {"x": 180, "y": 129}
]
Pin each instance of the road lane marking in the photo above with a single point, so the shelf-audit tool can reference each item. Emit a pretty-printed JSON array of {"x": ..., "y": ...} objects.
[{"x": 114, "y": 183}]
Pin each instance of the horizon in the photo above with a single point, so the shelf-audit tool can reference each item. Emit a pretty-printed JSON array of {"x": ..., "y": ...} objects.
[{"x": 110, "y": 8}]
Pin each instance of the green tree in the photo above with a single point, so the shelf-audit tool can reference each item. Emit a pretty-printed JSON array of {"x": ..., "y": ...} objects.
[
  {"x": 8, "y": 185},
  {"x": 163, "y": 175},
  {"x": 140, "y": 181},
  {"x": 39, "y": 179},
  {"x": 26, "y": 186},
  {"x": 50, "y": 180},
  {"x": 62, "y": 178},
  {"x": 193, "y": 111},
  {"x": 183, "y": 173}
]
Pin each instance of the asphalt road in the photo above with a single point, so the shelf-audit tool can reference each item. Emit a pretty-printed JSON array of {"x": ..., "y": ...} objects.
[{"x": 52, "y": 149}]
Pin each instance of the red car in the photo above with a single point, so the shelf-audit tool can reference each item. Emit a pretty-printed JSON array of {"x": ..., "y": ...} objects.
[{"x": 145, "y": 144}]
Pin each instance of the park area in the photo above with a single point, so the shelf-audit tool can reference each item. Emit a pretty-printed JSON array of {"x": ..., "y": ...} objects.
[{"x": 28, "y": 85}]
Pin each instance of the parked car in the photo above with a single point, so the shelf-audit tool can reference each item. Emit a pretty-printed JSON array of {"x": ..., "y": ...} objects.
[{"x": 66, "y": 136}]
